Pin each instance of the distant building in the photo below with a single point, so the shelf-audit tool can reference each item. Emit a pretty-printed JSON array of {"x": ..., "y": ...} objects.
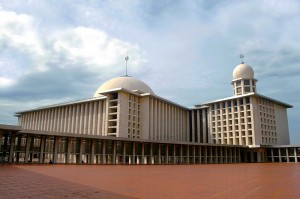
[{"x": 126, "y": 118}]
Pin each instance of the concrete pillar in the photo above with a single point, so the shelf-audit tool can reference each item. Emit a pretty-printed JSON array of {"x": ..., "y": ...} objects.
[
  {"x": 159, "y": 153},
  {"x": 295, "y": 154},
  {"x": 69, "y": 148},
  {"x": 226, "y": 155},
  {"x": 5, "y": 144},
  {"x": 200, "y": 155},
  {"x": 114, "y": 152},
  {"x": 1, "y": 136},
  {"x": 124, "y": 153},
  {"x": 18, "y": 148},
  {"x": 143, "y": 153},
  {"x": 133, "y": 153},
  {"x": 216, "y": 155},
  {"x": 194, "y": 154},
  {"x": 211, "y": 154},
  {"x": 92, "y": 158},
  {"x": 27, "y": 149},
  {"x": 103, "y": 152},
  {"x": 221, "y": 155},
  {"x": 11, "y": 149},
  {"x": 272, "y": 154},
  {"x": 31, "y": 149},
  {"x": 55, "y": 151},
  {"x": 181, "y": 151},
  {"x": 42, "y": 148},
  {"x": 187, "y": 154},
  {"x": 167, "y": 154},
  {"x": 205, "y": 154},
  {"x": 151, "y": 153},
  {"x": 234, "y": 155},
  {"x": 287, "y": 154},
  {"x": 174, "y": 154},
  {"x": 80, "y": 150},
  {"x": 279, "y": 154}
]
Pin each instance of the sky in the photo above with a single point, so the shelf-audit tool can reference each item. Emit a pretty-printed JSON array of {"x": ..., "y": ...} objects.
[{"x": 62, "y": 50}]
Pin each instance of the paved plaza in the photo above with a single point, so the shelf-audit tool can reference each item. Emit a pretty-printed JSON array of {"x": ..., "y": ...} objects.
[{"x": 267, "y": 180}]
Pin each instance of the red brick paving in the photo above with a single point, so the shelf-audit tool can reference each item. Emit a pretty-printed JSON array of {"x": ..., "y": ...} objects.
[{"x": 270, "y": 180}]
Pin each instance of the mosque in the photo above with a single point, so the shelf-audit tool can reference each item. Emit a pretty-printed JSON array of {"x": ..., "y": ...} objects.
[{"x": 125, "y": 122}]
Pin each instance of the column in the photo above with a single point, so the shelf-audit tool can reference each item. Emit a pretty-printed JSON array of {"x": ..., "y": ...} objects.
[
  {"x": 103, "y": 152},
  {"x": 18, "y": 147},
  {"x": 80, "y": 150},
  {"x": 174, "y": 154},
  {"x": 42, "y": 148},
  {"x": 226, "y": 155},
  {"x": 167, "y": 154},
  {"x": 31, "y": 149},
  {"x": 287, "y": 155},
  {"x": 205, "y": 154},
  {"x": 124, "y": 153},
  {"x": 279, "y": 154},
  {"x": 211, "y": 155},
  {"x": 159, "y": 153},
  {"x": 272, "y": 154},
  {"x": 200, "y": 155},
  {"x": 194, "y": 154},
  {"x": 295, "y": 154},
  {"x": 143, "y": 152},
  {"x": 5, "y": 144},
  {"x": 216, "y": 155},
  {"x": 11, "y": 150},
  {"x": 27, "y": 149},
  {"x": 69, "y": 145},
  {"x": 1, "y": 135},
  {"x": 187, "y": 154},
  {"x": 92, "y": 158},
  {"x": 181, "y": 151},
  {"x": 151, "y": 153},
  {"x": 114, "y": 152},
  {"x": 55, "y": 151},
  {"x": 133, "y": 153}
]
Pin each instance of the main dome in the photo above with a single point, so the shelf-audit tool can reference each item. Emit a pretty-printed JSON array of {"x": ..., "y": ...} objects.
[
  {"x": 125, "y": 82},
  {"x": 243, "y": 71}
]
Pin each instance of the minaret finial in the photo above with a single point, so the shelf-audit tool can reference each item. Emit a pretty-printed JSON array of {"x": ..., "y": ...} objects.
[
  {"x": 242, "y": 57},
  {"x": 126, "y": 59}
]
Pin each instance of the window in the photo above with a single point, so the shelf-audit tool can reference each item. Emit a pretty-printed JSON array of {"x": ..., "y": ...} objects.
[{"x": 247, "y": 89}]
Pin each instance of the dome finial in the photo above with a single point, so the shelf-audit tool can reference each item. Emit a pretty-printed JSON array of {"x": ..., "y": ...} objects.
[
  {"x": 126, "y": 59},
  {"x": 242, "y": 57}
]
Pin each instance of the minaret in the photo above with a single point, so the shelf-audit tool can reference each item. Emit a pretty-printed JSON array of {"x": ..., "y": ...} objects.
[{"x": 243, "y": 79}]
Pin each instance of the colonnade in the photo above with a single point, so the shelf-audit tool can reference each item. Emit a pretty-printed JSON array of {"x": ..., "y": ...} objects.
[
  {"x": 284, "y": 154},
  {"x": 39, "y": 148}
]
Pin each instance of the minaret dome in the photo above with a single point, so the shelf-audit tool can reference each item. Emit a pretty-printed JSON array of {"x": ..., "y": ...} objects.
[{"x": 243, "y": 79}]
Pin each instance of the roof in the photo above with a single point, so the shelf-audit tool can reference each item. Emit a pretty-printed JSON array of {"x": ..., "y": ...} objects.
[
  {"x": 245, "y": 95},
  {"x": 63, "y": 104}
]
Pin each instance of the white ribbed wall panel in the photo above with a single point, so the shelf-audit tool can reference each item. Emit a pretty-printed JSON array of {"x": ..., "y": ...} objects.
[{"x": 85, "y": 118}]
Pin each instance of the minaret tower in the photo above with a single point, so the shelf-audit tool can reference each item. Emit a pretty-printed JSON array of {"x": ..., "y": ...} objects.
[{"x": 243, "y": 79}]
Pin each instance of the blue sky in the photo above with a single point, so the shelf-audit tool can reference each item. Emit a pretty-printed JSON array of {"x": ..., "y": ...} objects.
[{"x": 56, "y": 51}]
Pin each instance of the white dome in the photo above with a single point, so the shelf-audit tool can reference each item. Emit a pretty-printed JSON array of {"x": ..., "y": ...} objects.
[
  {"x": 125, "y": 82},
  {"x": 243, "y": 71}
]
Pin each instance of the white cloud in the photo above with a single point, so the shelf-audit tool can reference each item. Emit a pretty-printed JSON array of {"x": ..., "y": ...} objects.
[
  {"x": 94, "y": 49},
  {"x": 5, "y": 82},
  {"x": 75, "y": 47}
]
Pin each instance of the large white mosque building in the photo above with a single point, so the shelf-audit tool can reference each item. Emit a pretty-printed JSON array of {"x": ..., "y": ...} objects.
[{"x": 126, "y": 122}]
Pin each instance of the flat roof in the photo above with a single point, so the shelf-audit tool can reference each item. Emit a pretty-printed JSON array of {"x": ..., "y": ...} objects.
[
  {"x": 63, "y": 104},
  {"x": 10, "y": 127},
  {"x": 245, "y": 95}
]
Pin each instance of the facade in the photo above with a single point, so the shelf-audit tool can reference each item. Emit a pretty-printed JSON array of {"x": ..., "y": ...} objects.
[{"x": 125, "y": 117}]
